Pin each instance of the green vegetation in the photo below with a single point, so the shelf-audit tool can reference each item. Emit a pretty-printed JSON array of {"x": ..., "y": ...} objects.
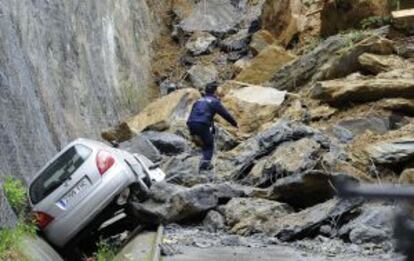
[
  {"x": 395, "y": 4},
  {"x": 10, "y": 238},
  {"x": 105, "y": 252},
  {"x": 15, "y": 192},
  {"x": 375, "y": 22}
]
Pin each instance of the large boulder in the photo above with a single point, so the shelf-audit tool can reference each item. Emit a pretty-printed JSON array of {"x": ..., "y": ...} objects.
[
  {"x": 265, "y": 65},
  {"x": 167, "y": 143},
  {"x": 214, "y": 16},
  {"x": 201, "y": 75},
  {"x": 260, "y": 40},
  {"x": 140, "y": 144},
  {"x": 373, "y": 225},
  {"x": 363, "y": 90},
  {"x": 376, "y": 64},
  {"x": 247, "y": 216},
  {"x": 8, "y": 218},
  {"x": 395, "y": 151},
  {"x": 200, "y": 43},
  {"x": 289, "y": 158},
  {"x": 333, "y": 58},
  {"x": 183, "y": 203},
  {"x": 303, "y": 189},
  {"x": 156, "y": 116},
  {"x": 237, "y": 162},
  {"x": 308, "y": 221},
  {"x": 253, "y": 106},
  {"x": 404, "y": 20},
  {"x": 183, "y": 169}
]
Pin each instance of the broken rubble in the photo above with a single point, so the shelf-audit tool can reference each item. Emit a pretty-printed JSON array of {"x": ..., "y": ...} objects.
[
  {"x": 247, "y": 216},
  {"x": 252, "y": 111},
  {"x": 167, "y": 143},
  {"x": 200, "y": 43},
  {"x": 236, "y": 42},
  {"x": 396, "y": 151},
  {"x": 140, "y": 144},
  {"x": 201, "y": 75}
]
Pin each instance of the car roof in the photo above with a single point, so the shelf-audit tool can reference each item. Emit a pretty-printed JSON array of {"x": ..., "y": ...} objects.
[{"x": 92, "y": 144}]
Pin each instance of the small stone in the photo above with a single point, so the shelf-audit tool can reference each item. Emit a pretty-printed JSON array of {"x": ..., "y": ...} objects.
[
  {"x": 201, "y": 75},
  {"x": 200, "y": 43},
  {"x": 214, "y": 221}
]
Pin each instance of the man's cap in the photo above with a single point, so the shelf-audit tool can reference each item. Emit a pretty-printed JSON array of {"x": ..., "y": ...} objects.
[{"x": 211, "y": 87}]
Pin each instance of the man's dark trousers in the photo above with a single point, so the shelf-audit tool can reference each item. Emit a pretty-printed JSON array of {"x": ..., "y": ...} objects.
[{"x": 202, "y": 130}]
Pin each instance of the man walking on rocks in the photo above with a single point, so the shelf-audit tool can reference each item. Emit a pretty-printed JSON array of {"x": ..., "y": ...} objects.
[{"x": 201, "y": 123}]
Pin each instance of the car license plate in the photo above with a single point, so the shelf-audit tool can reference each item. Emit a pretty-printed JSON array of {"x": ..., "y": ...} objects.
[{"x": 75, "y": 194}]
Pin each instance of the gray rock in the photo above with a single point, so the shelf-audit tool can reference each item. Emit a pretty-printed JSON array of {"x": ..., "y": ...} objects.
[
  {"x": 201, "y": 75},
  {"x": 373, "y": 225},
  {"x": 200, "y": 43},
  {"x": 8, "y": 218},
  {"x": 392, "y": 152},
  {"x": 183, "y": 169},
  {"x": 141, "y": 144},
  {"x": 304, "y": 223},
  {"x": 167, "y": 143},
  {"x": 303, "y": 189},
  {"x": 177, "y": 203},
  {"x": 167, "y": 86},
  {"x": 243, "y": 156},
  {"x": 214, "y": 221},
  {"x": 323, "y": 63},
  {"x": 214, "y": 16},
  {"x": 236, "y": 42},
  {"x": 366, "y": 234},
  {"x": 247, "y": 216},
  {"x": 225, "y": 141},
  {"x": 346, "y": 130}
]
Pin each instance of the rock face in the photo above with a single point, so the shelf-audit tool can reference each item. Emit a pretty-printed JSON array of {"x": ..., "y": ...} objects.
[
  {"x": 201, "y": 75},
  {"x": 392, "y": 152},
  {"x": 247, "y": 216},
  {"x": 70, "y": 70},
  {"x": 214, "y": 16},
  {"x": 158, "y": 115},
  {"x": 167, "y": 143},
  {"x": 140, "y": 144},
  {"x": 253, "y": 106},
  {"x": 7, "y": 216},
  {"x": 265, "y": 65}
]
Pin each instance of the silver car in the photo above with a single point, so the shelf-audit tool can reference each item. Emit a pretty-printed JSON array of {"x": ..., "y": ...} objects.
[{"x": 81, "y": 181}]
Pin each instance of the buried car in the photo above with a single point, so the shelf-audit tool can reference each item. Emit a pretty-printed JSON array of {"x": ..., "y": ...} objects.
[{"x": 84, "y": 180}]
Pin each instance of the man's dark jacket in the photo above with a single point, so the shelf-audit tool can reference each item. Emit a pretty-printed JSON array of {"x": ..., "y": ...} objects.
[{"x": 205, "y": 108}]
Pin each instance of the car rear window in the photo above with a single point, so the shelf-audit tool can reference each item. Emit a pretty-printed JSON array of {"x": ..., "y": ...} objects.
[{"x": 58, "y": 172}]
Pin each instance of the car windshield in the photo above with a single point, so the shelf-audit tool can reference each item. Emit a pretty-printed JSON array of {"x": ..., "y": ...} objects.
[{"x": 58, "y": 172}]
